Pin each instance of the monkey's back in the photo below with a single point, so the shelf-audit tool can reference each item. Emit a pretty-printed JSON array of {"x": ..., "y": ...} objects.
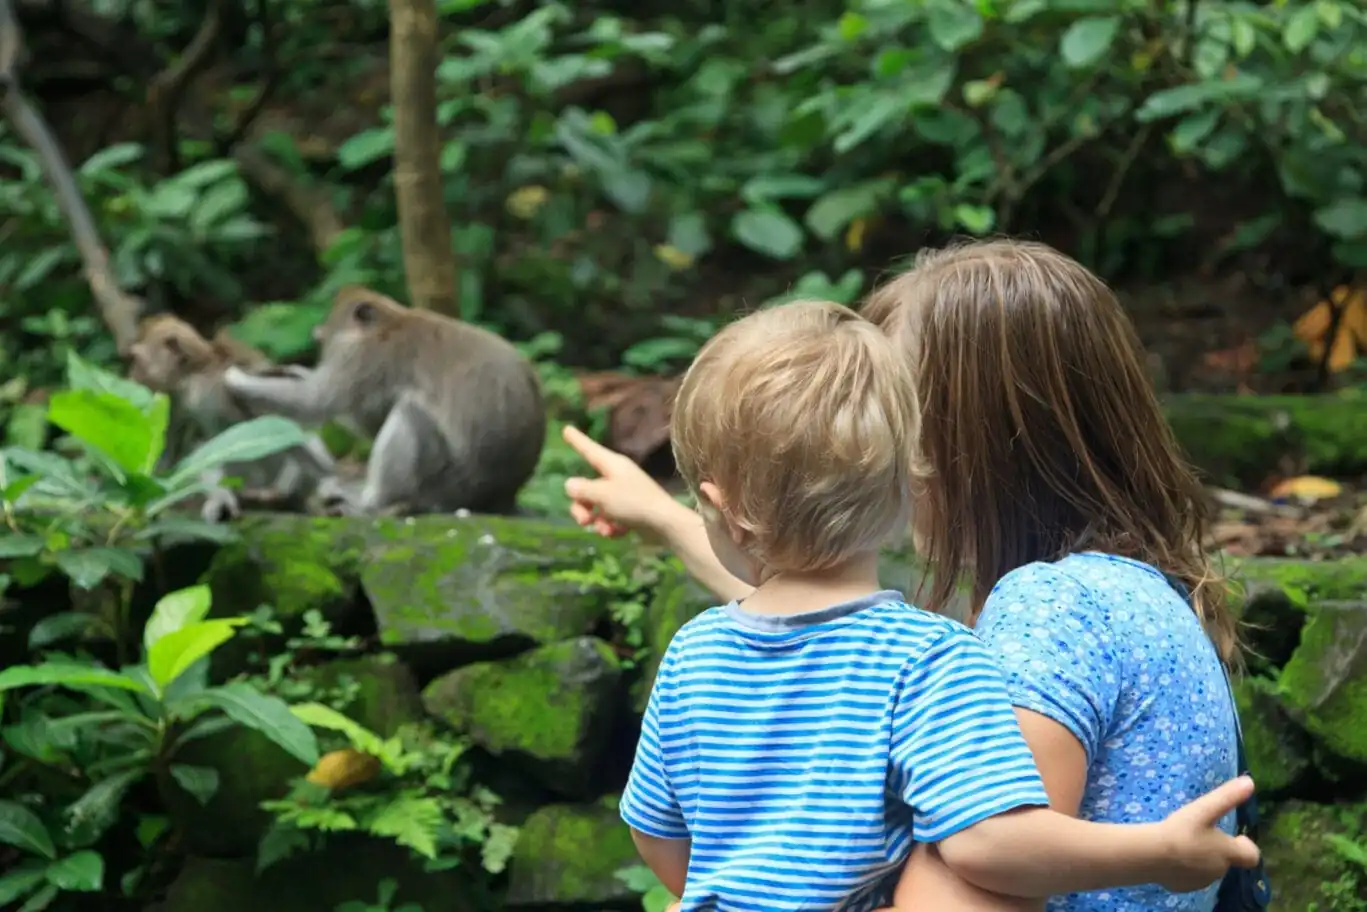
[{"x": 489, "y": 402}]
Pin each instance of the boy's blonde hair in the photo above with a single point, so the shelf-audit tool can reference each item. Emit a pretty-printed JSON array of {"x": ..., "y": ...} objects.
[{"x": 802, "y": 415}]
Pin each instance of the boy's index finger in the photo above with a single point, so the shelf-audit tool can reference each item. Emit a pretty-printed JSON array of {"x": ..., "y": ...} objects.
[{"x": 593, "y": 452}]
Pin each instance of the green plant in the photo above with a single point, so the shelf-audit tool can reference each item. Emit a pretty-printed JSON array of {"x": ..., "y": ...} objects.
[
  {"x": 99, "y": 515},
  {"x": 655, "y": 896},
  {"x": 410, "y": 787},
  {"x": 127, "y": 725},
  {"x": 281, "y": 667},
  {"x": 629, "y": 590},
  {"x": 388, "y": 890}
]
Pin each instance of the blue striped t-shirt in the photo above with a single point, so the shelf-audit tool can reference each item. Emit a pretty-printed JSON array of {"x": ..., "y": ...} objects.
[{"x": 803, "y": 754}]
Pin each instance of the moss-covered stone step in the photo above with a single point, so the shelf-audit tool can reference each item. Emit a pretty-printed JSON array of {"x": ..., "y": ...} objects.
[
  {"x": 568, "y": 855},
  {"x": 1313, "y": 853},
  {"x": 1241, "y": 439}
]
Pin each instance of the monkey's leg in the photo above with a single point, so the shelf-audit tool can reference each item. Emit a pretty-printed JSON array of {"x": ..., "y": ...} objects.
[
  {"x": 408, "y": 454},
  {"x": 301, "y": 396}
]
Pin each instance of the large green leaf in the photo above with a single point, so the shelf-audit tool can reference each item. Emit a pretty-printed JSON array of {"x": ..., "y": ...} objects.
[
  {"x": 200, "y": 781},
  {"x": 22, "y": 829},
  {"x": 1088, "y": 39},
  {"x": 20, "y": 880},
  {"x": 67, "y": 674},
  {"x": 174, "y": 610},
  {"x": 176, "y": 650},
  {"x": 80, "y": 872},
  {"x": 81, "y": 374},
  {"x": 87, "y": 567},
  {"x": 92, "y": 814},
  {"x": 243, "y": 442},
  {"x": 272, "y": 717},
  {"x": 16, "y": 545},
  {"x": 768, "y": 231},
  {"x": 108, "y": 425}
]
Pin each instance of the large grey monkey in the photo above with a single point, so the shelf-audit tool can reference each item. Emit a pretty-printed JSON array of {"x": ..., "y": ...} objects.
[{"x": 456, "y": 412}]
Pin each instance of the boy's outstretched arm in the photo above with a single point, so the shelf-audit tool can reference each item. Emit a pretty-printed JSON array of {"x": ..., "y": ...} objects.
[
  {"x": 1038, "y": 852},
  {"x": 927, "y": 882},
  {"x": 668, "y": 858}
]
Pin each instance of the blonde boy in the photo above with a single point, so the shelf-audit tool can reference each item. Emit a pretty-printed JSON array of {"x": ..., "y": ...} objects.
[{"x": 797, "y": 742}]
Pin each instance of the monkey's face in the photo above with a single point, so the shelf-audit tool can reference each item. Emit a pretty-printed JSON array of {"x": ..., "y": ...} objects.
[
  {"x": 166, "y": 352},
  {"x": 351, "y": 318}
]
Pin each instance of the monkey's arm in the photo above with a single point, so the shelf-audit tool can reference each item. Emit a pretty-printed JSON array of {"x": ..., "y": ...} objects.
[{"x": 303, "y": 396}]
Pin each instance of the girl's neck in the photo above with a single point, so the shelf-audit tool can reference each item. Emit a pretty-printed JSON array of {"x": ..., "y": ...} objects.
[{"x": 798, "y": 593}]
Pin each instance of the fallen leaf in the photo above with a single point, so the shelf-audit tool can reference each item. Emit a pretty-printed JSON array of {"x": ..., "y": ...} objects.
[
  {"x": 344, "y": 768},
  {"x": 1350, "y": 335},
  {"x": 1238, "y": 360},
  {"x": 526, "y": 202},
  {"x": 1306, "y": 488}
]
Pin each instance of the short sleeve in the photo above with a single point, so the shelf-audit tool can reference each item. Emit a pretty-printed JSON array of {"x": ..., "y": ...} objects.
[
  {"x": 649, "y": 803},
  {"x": 1054, "y": 646},
  {"x": 958, "y": 756}
]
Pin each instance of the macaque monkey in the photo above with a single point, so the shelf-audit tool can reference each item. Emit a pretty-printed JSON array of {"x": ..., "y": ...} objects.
[
  {"x": 455, "y": 411},
  {"x": 170, "y": 356}
]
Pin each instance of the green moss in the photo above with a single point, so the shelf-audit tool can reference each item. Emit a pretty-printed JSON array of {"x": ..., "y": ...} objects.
[
  {"x": 1325, "y": 682},
  {"x": 386, "y": 693},
  {"x": 678, "y": 598},
  {"x": 294, "y": 563},
  {"x": 479, "y": 579},
  {"x": 528, "y": 704},
  {"x": 1278, "y": 752},
  {"x": 570, "y": 854},
  {"x": 1307, "y": 869}
]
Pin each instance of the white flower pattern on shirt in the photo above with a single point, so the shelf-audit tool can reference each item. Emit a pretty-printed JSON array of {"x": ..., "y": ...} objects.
[{"x": 1105, "y": 647}]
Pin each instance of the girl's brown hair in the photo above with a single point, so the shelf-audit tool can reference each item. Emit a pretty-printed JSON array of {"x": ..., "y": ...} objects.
[{"x": 1039, "y": 425}]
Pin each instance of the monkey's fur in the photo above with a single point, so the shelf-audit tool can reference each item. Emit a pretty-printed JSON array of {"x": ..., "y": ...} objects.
[
  {"x": 456, "y": 412},
  {"x": 171, "y": 357}
]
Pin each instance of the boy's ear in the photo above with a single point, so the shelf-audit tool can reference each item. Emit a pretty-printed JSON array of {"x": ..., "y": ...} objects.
[{"x": 739, "y": 533}]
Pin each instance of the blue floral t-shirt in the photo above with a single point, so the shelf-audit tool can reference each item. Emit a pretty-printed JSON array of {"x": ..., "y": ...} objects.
[{"x": 1105, "y": 647}]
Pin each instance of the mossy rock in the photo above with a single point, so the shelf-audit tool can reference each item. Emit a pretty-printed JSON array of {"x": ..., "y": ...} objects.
[
  {"x": 346, "y": 869},
  {"x": 1278, "y": 751},
  {"x": 1273, "y": 594},
  {"x": 678, "y": 598},
  {"x": 1238, "y": 440},
  {"x": 1324, "y": 685},
  {"x": 1304, "y": 847},
  {"x": 451, "y": 590},
  {"x": 552, "y": 710},
  {"x": 251, "y": 769},
  {"x": 293, "y": 563},
  {"x": 386, "y": 694},
  {"x": 569, "y": 855}
]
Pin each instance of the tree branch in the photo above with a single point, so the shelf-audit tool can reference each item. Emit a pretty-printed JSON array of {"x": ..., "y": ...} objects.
[
  {"x": 119, "y": 310},
  {"x": 167, "y": 89}
]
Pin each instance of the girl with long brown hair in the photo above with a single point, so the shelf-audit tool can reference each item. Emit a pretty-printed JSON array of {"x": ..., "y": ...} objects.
[{"x": 1058, "y": 494}]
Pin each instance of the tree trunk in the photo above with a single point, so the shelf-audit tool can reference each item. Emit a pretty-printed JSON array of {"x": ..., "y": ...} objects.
[{"x": 428, "y": 261}]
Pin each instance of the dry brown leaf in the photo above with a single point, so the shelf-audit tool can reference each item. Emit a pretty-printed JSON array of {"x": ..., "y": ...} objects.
[
  {"x": 1238, "y": 360},
  {"x": 639, "y": 409},
  {"x": 344, "y": 768},
  {"x": 1350, "y": 337}
]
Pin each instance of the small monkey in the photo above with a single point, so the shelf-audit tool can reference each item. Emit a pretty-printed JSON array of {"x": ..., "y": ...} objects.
[
  {"x": 455, "y": 411},
  {"x": 170, "y": 356}
]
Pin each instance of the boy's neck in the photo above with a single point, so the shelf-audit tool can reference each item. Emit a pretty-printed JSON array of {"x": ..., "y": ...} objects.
[{"x": 799, "y": 593}]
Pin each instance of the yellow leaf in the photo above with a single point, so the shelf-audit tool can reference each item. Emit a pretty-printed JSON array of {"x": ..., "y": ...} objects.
[
  {"x": 525, "y": 202},
  {"x": 1350, "y": 337},
  {"x": 1306, "y": 487},
  {"x": 854, "y": 235},
  {"x": 673, "y": 257},
  {"x": 344, "y": 768}
]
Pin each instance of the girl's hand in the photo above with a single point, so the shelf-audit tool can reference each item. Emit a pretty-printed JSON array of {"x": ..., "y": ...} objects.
[{"x": 622, "y": 498}]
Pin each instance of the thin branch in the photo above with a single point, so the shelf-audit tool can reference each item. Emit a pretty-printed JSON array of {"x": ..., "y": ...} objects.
[
  {"x": 119, "y": 310},
  {"x": 167, "y": 89},
  {"x": 270, "y": 80}
]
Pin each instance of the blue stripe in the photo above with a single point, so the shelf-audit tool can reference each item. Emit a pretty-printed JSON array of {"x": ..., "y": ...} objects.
[{"x": 804, "y": 759}]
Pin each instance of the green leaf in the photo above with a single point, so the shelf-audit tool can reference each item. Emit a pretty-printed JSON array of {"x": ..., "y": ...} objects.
[
  {"x": 176, "y": 609},
  {"x": 110, "y": 158},
  {"x": 975, "y": 219},
  {"x": 245, "y": 442},
  {"x": 1183, "y": 98},
  {"x": 1301, "y": 28},
  {"x": 81, "y": 374},
  {"x": 953, "y": 24},
  {"x": 768, "y": 187},
  {"x": 268, "y": 715},
  {"x": 1344, "y": 218},
  {"x": 20, "y": 881},
  {"x": 81, "y": 872},
  {"x": 1088, "y": 40},
  {"x": 109, "y": 425},
  {"x": 67, "y": 674},
  {"x": 42, "y": 899},
  {"x": 835, "y": 210},
  {"x": 366, "y": 147},
  {"x": 176, "y": 650},
  {"x": 21, "y": 828},
  {"x": 319, "y": 715},
  {"x": 14, "y": 545},
  {"x": 174, "y": 530},
  {"x": 1244, "y": 36},
  {"x": 768, "y": 231},
  {"x": 90, "y": 816},
  {"x": 57, "y": 627},
  {"x": 200, "y": 781},
  {"x": 88, "y": 566}
]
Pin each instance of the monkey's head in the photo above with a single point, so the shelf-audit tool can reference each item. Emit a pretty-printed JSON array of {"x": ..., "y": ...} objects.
[
  {"x": 357, "y": 312},
  {"x": 167, "y": 351}
]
